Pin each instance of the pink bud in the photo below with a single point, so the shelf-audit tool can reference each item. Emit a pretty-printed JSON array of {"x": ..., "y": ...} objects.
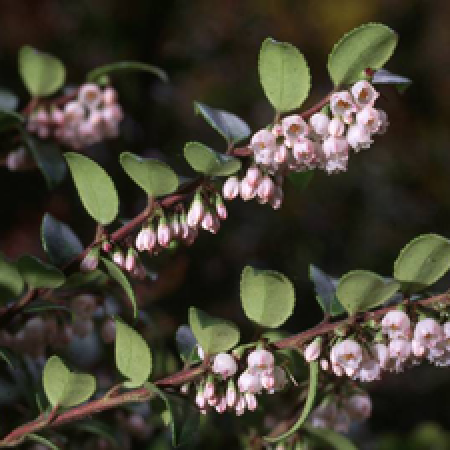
[
  {"x": 109, "y": 96},
  {"x": 230, "y": 188},
  {"x": 268, "y": 380},
  {"x": 221, "y": 210},
  {"x": 240, "y": 405},
  {"x": 221, "y": 405},
  {"x": 259, "y": 360},
  {"x": 163, "y": 233},
  {"x": 200, "y": 399},
  {"x": 324, "y": 364},
  {"x": 90, "y": 261},
  {"x": 118, "y": 258},
  {"x": 231, "y": 394},
  {"x": 130, "y": 261},
  {"x": 312, "y": 351},
  {"x": 336, "y": 127},
  {"x": 207, "y": 221},
  {"x": 319, "y": 123},
  {"x": 281, "y": 154},
  {"x": 209, "y": 390},
  {"x": 247, "y": 191},
  {"x": 106, "y": 246},
  {"x": 251, "y": 401},
  {"x": 253, "y": 176},
  {"x": 266, "y": 189},
  {"x": 196, "y": 211},
  {"x": 417, "y": 349},
  {"x": 73, "y": 113},
  {"x": 224, "y": 365}
]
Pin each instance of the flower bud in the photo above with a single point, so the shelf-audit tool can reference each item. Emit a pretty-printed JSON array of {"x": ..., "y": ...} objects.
[
  {"x": 312, "y": 351},
  {"x": 249, "y": 382},
  {"x": 281, "y": 154},
  {"x": 230, "y": 188},
  {"x": 319, "y": 123},
  {"x": 268, "y": 380},
  {"x": 221, "y": 405},
  {"x": 196, "y": 211},
  {"x": 240, "y": 405},
  {"x": 200, "y": 399},
  {"x": 90, "y": 261},
  {"x": 231, "y": 393},
  {"x": 118, "y": 257},
  {"x": 109, "y": 96},
  {"x": 266, "y": 189},
  {"x": 253, "y": 176},
  {"x": 246, "y": 190},
  {"x": 163, "y": 233},
  {"x": 336, "y": 127},
  {"x": 260, "y": 360},
  {"x": 209, "y": 390},
  {"x": 251, "y": 401},
  {"x": 130, "y": 260},
  {"x": 224, "y": 365}
]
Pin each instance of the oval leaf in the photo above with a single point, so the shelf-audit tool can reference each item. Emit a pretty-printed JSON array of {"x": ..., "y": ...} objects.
[
  {"x": 423, "y": 261},
  {"x": 43, "y": 74},
  {"x": 268, "y": 297},
  {"x": 116, "y": 274},
  {"x": 186, "y": 344},
  {"x": 368, "y": 46},
  {"x": 312, "y": 390},
  {"x": 99, "y": 72},
  {"x": 133, "y": 357},
  {"x": 154, "y": 177},
  {"x": 213, "y": 335},
  {"x": 205, "y": 160},
  {"x": 284, "y": 75},
  {"x": 95, "y": 188},
  {"x": 360, "y": 290},
  {"x": 39, "y": 274},
  {"x": 59, "y": 241},
  {"x": 231, "y": 127},
  {"x": 11, "y": 282}
]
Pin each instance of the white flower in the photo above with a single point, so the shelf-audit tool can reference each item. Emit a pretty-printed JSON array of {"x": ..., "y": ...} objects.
[
  {"x": 341, "y": 103},
  {"x": 312, "y": 351},
  {"x": 396, "y": 324},
  {"x": 251, "y": 401},
  {"x": 263, "y": 141},
  {"x": 400, "y": 349},
  {"x": 163, "y": 233},
  {"x": 336, "y": 127},
  {"x": 347, "y": 355},
  {"x": 428, "y": 333},
  {"x": 249, "y": 382},
  {"x": 260, "y": 360},
  {"x": 370, "y": 118},
  {"x": 246, "y": 190},
  {"x": 335, "y": 150},
  {"x": 294, "y": 127},
  {"x": 358, "y": 137},
  {"x": 253, "y": 176},
  {"x": 73, "y": 113},
  {"x": 364, "y": 93},
  {"x": 224, "y": 365},
  {"x": 90, "y": 95},
  {"x": 240, "y": 405},
  {"x": 196, "y": 211},
  {"x": 319, "y": 123},
  {"x": 304, "y": 152},
  {"x": 266, "y": 189},
  {"x": 230, "y": 188}
]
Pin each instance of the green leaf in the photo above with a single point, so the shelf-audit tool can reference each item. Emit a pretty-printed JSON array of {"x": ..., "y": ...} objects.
[
  {"x": 35, "y": 437},
  {"x": 10, "y": 119},
  {"x": 330, "y": 437},
  {"x": 186, "y": 344},
  {"x": 301, "y": 180},
  {"x": 383, "y": 76},
  {"x": 268, "y": 297},
  {"x": 39, "y": 274},
  {"x": 64, "y": 388},
  {"x": 11, "y": 282},
  {"x": 155, "y": 177},
  {"x": 312, "y": 391},
  {"x": 78, "y": 279},
  {"x": 43, "y": 74},
  {"x": 325, "y": 288},
  {"x": 423, "y": 261},
  {"x": 183, "y": 417},
  {"x": 133, "y": 357},
  {"x": 116, "y": 273},
  {"x": 59, "y": 242},
  {"x": 213, "y": 335},
  {"x": 368, "y": 46},
  {"x": 95, "y": 188},
  {"x": 284, "y": 75},
  {"x": 8, "y": 101},
  {"x": 205, "y": 160},
  {"x": 99, "y": 72},
  {"x": 230, "y": 126},
  {"x": 360, "y": 290}
]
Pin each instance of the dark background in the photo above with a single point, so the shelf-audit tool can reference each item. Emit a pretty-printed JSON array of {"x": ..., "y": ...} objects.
[{"x": 360, "y": 219}]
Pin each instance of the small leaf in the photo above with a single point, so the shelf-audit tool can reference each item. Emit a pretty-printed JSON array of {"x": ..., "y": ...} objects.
[
  {"x": 205, "y": 160},
  {"x": 39, "y": 274},
  {"x": 230, "y": 126},
  {"x": 116, "y": 273},
  {"x": 186, "y": 344},
  {"x": 383, "y": 76},
  {"x": 301, "y": 180},
  {"x": 78, "y": 279},
  {"x": 325, "y": 288},
  {"x": 8, "y": 101},
  {"x": 268, "y": 297},
  {"x": 182, "y": 416},
  {"x": 284, "y": 75},
  {"x": 99, "y": 72},
  {"x": 35, "y": 437},
  {"x": 336, "y": 440},
  {"x": 133, "y": 357},
  {"x": 213, "y": 335},
  {"x": 360, "y": 290},
  {"x": 43, "y": 74},
  {"x": 11, "y": 282},
  {"x": 423, "y": 261},
  {"x": 59, "y": 241},
  {"x": 155, "y": 177},
  {"x": 95, "y": 188},
  {"x": 312, "y": 391},
  {"x": 368, "y": 46},
  {"x": 64, "y": 388}
]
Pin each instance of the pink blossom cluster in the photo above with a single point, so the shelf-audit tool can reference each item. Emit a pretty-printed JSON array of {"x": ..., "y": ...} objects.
[
  {"x": 93, "y": 116},
  {"x": 260, "y": 374}
]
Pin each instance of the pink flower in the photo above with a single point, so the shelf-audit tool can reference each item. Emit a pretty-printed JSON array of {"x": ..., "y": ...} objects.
[
  {"x": 253, "y": 176},
  {"x": 266, "y": 189},
  {"x": 262, "y": 140},
  {"x": 364, "y": 93},
  {"x": 196, "y": 211},
  {"x": 335, "y": 150},
  {"x": 260, "y": 360},
  {"x": 319, "y": 123},
  {"x": 163, "y": 233},
  {"x": 118, "y": 258},
  {"x": 246, "y": 190},
  {"x": 396, "y": 324},
  {"x": 336, "y": 127},
  {"x": 294, "y": 127},
  {"x": 89, "y": 95},
  {"x": 347, "y": 355},
  {"x": 417, "y": 349},
  {"x": 231, "y": 395},
  {"x": 200, "y": 399},
  {"x": 209, "y": 390},
  {"x": 130, "y": 260},
  {"x": 249, "y": 382},
  {"x": 400, "y": 349},
  {"x": 268, "y": 380},
  {"x": 358, "y": 137},
  {"x": 240, "y": 405},
  {"x": 109, "y": 96},
  {"x": 341, "y": 103},
  {"x": 230, "y": 188},
  {"x": 73, "y": 113},
  {"x": 224, "y": 365},
  {"x": 251, "y": 401},
  {"x": 304, "y": 152},
  {"x": 370, "y": 118},
  {"x": 221, "y": 405},
  {"x": 312, "y": 351},
  {"x": 428, "y": 333},
  {"x": 281, "y": 154}
]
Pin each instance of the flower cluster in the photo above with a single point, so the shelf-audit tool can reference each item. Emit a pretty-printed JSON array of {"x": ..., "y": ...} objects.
[
  {"x": 92, "y": 117},
  {"x": 219, "y": 389},
  {"x": 323, "y": 143}
]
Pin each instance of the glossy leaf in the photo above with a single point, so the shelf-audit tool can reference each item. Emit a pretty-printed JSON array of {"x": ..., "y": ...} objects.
[
  {"x": 335, "y": 440},
  {"x": 116, "y": 273},
  {"x": 155, "y": 177},
  {"x": 11, "y": 282},
  {"x": 213, "y": 335},
  {"x": 43, "y": 74},
  {"x": 383, "y": 76},
  {"x": 95, "y": 188},
  {"x": 284, "y": 75},
  {"x": 59, "y": 241},
  {"x": 268, "y": 297},
  {"x": 423, "y": 261},
  {"x": 205, "y": 160},
  {"x": 360, "y": 290},
  {"x": 133, "y": 357},
  {"x": 368, "y": 46},
  {"x": 230, "y": 126},
  {"x": 309, "y": 403},
  {"x": 108, "y": 69},
  {"x": 38, "y": 274}
]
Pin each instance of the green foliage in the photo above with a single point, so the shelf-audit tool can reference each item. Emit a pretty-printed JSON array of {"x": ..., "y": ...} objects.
[
  {"x": 332, "y": 438},
  {"x": 186, "y": 344},
  {"x": 108, "y": 69},
  {"x": 38, "y": 274},
  {"x": 133, "y": 357},
  {"x": 284, "y": 75},
  {"x": 213, "y": 335},
  {"x": 360, "y": 290},
  {"x": 41, "y": 440},
  {"x": 368, "y": 46},
  {"x": 230, "y": 126},
  {"x": 423, "y": 261},
  {"x": 59, "y": 242},
  {"x": 43, "y": 74},
  {"x": 205, "y": 160},
  {"x": 154, "y": 177},
  {"x": 79, "y": 279},
  {"x": 268, "y": 297},
  {"x": 312, "y": 391},
  {"x": 116, "y": 274},
  {"x": 10, "y": 119},
  {"x": 64, "y": 388},
  {"x": 11, "y": 282},
  {"x": 95, "y": 188}
]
